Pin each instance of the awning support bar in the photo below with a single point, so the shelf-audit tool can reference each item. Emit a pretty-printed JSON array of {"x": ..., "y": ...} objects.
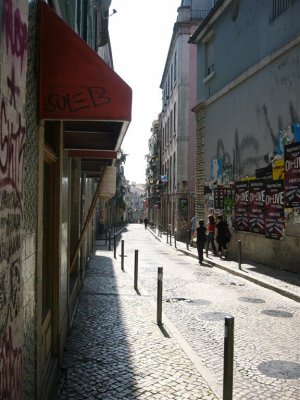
[{"x": 87, "y": 221}]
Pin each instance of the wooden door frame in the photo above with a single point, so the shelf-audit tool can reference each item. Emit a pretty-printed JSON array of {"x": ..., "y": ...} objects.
[{"x": 48, "y": 155}]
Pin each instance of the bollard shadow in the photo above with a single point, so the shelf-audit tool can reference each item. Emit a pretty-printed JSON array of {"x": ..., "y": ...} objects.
[
  {"x": 103, "y": 239},
  {"x": 163, "y": 330}
]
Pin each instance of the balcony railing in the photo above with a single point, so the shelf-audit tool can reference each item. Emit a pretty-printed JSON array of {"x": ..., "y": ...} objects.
[
  {"x": 198, "y": 14},
  {"x": 280, "y": 7}
]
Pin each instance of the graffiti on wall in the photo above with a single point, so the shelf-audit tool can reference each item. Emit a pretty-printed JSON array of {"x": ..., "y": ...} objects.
[
  {"x": 229, "y": 165},
  {"x": 14, "y": 42},
  {"x": 245, "y": 165}
]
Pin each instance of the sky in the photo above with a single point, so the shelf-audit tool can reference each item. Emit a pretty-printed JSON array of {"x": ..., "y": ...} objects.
[{"x": 140, "y": 34}]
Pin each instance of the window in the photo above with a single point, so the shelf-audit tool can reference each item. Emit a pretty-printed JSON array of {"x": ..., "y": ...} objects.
[
  {"x": 174, "y": 170},
  {"x": 164, "y": 98},
  {"x": 171, "y": 173},
  {"x": 175, "y": 67},
  {"x": 174, "y": 116},
  {"x": 209, "y": 56},
  {"x": 85, "y": 21},
  {"x": 78, "y": 18},
  {"x": 281, "y": 6}
]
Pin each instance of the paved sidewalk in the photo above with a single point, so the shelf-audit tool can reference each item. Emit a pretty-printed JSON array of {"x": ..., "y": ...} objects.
[
  {"x": 117, "y": 351},
  {"x": 283, "y": 282}
]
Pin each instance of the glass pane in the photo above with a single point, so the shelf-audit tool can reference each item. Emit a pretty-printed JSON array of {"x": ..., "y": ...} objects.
[{"x": 47, "y": 240}]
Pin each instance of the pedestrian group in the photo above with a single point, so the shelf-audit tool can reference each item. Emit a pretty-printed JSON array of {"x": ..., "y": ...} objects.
[{"x": 206, "y": 236}]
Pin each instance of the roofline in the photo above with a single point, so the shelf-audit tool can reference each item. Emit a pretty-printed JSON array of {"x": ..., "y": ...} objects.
[
  {"x": 176, "y": 32},
  {"x": 204, "y": 26}
]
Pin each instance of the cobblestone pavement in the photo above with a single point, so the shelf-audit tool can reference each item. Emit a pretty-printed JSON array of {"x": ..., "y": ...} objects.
[
  {"x": 284, "y": 282},
  {"x": 196, "y": 300},
  {"x": 117, "y": 351}
]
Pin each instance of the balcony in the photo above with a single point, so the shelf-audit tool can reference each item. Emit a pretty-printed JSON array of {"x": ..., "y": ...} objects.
[
  {"x": 185, "y": 14},
  {"x": 198, "y": 15}
]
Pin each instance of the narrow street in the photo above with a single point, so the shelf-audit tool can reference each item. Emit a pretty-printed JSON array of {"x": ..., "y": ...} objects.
[{"x": 195, "y": 301}]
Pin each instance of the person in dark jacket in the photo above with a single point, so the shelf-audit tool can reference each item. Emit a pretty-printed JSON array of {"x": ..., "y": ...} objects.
[
  {"x": 201, "y": 240},
  {"x": 211, "y": 235},
  {"x": 223, "y": 236},
  {"x": 146, "y": 222}
]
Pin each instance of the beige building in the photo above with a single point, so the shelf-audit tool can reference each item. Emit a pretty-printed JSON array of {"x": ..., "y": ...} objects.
[{"x": 177, "y": 120}]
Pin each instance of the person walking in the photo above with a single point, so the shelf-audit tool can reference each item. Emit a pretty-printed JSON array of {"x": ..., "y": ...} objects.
[
  {"x": 222, "y": 236},
  {"x": 211, "y": 235},
  {"x": 201, "y": 240},
  {"x": 146, "y": 222},
  {"x": 193, "y": 229}
]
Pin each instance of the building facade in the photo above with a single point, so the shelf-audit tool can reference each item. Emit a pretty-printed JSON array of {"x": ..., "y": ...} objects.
[
  {"x": 59, "y": 143},
  {"x": 247, "y": 112},
  {"x": 135, "y": 202},
  {"x": 155, "y": 182},
  {"x": 177, "y": 119}
]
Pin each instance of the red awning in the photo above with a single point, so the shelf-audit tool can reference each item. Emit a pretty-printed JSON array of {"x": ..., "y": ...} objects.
[
  {"x": 75, "y": 83},
  {"x": 79, "y": 88}
]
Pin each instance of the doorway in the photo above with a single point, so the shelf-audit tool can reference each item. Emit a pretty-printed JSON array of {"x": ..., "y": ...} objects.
[{"x": 49, "y": 261}]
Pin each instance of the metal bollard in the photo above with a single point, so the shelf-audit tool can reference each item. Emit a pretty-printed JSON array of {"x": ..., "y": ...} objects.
[
  {"x": 228, "y": 358},
  {"x": 122, "y": 255},
  {"x": 159, "y": 295},
  {"x": 105, "y": 237},
  {"x": 167, "y": 235},
  {"x": 187, "y": 239},
  {"x": 109, "y": 232},
  {"x": 240, "y": 254},
  {"x": 170, "y": 237},
  {"x": 175, "y": 234},
  {"x": 136, "y": 268},
  {"x": 115, "y": 247}
]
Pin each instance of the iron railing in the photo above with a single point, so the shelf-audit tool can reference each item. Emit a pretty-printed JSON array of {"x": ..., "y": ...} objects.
[
  {"x": 280, "y": 7},
  {"x": 198, "y": 14}
]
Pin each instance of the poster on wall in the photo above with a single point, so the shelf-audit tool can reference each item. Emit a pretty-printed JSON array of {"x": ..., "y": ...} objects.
[
  {"x": 292, "y": 175},
  {"x": 228, "y": 201},
  {"x": 265, "y": 173},
  {"x": 219, "y": 198},
  {"x": 256, "y": 217},
  {"x": 274, "y": 209},
  {"x": 215, "y": 169},
  {"x": 241, "y": 206}
]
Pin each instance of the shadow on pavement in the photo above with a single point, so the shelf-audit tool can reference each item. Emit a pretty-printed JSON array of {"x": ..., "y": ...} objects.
[{"x": 97, "y": 358}]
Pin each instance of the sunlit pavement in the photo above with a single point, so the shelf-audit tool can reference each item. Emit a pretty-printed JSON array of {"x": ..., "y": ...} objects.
[
  {"x": 117, "y": 351},
  {"x": 283, "y": 282}
]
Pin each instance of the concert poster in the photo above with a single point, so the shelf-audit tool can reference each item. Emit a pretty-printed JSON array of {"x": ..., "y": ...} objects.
[
  {"x": 241, "y": 206},
  {"x": 274, "y": 209},
  {"x": 256, "y": 219},
  {"x": 219, "y": 198},
  {"x": 292, "y": 175}
]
